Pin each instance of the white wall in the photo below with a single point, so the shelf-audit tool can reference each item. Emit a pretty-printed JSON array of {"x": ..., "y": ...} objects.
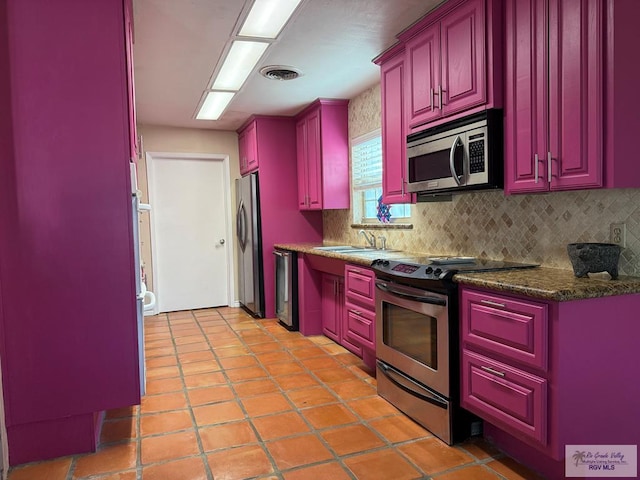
[{"x": 182, "y": 140}]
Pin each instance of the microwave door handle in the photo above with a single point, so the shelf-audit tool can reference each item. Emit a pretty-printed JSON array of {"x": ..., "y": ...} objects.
[{"x": 456, "y": 143}]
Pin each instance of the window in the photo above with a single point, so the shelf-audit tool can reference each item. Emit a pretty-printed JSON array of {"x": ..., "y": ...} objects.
[{"x": 366, "y": 180}]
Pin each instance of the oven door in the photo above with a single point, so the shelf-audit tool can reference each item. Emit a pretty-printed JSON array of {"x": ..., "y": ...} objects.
[{"x": 412, "y": 333}]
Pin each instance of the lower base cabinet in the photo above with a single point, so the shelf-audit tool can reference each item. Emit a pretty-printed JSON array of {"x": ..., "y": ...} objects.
[
  {"x": 549, "y": 374},
  {"x": 334, "y": 324}
]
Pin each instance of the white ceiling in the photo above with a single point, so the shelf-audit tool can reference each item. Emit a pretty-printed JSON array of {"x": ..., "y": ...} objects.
[{"x": 178, "y": 44}]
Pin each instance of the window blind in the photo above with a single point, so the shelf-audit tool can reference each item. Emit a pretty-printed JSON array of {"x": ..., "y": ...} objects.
[{"x": 366, "y": 164}]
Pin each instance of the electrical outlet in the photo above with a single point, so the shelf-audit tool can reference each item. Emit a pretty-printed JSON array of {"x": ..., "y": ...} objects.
[{"x": 618, "y": 234}]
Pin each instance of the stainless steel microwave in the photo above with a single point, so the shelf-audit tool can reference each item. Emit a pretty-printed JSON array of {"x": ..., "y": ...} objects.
[{"x": 462, "y": 155}]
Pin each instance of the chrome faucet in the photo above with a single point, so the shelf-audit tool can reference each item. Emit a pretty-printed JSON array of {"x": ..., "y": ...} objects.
[{"x": 369, "y": 237}]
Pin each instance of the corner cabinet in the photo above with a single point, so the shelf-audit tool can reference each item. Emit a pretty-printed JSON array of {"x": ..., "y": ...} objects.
[
  {"x": 322, "y": 144},
  {"x": 554, "y": 136},
  {"x": 394, "y": 143},
  {"x": 248, "y": 148}
]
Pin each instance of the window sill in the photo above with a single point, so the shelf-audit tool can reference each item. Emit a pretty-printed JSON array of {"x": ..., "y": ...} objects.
[{"x": 383, "y": 226}]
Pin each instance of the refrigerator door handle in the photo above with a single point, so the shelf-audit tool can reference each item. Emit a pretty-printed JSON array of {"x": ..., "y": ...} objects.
[
  {"x": 240, "y": 225},
  {"x": 245, "y": 229}
]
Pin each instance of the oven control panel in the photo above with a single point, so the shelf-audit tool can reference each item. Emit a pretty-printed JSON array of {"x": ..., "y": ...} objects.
[
  {"x": 405, "y": 268},
  {"x": 411, "y": 270}
]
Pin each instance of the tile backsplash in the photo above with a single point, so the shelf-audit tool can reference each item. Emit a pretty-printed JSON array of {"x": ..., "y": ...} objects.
[{"x": 525, "y": 228}]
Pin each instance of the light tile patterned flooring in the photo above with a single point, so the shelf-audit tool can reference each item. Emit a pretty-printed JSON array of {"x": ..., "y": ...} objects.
[{"x": 233, "y": 398}]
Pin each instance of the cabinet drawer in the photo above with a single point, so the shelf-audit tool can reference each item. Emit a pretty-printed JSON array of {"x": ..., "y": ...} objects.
[
  {"x": 360, "y": 285},
  {"x": 361, "y": 325},
  {"x": 510, "y": 398},
  {"x": 515, "y": 329}
]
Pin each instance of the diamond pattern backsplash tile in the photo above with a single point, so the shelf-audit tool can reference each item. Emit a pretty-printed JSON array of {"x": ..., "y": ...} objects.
[{"x": 522, "y": 228}]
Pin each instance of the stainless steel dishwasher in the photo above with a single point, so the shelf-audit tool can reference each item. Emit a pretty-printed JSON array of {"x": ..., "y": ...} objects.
[{"x": 287, "y": 288}]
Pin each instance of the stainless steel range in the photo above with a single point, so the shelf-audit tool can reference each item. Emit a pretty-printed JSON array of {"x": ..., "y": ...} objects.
[{"x": 417, "y": 342}]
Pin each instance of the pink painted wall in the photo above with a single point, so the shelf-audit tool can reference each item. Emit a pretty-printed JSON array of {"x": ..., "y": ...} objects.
[{"x": 67, "y": 318}]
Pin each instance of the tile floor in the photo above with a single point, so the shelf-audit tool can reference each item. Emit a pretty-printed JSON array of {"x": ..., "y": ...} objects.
[{"x": 233, "y": 398}]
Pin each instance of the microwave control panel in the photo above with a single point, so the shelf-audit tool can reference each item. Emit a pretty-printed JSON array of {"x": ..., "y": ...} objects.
[{"x": 476, "y": 153}]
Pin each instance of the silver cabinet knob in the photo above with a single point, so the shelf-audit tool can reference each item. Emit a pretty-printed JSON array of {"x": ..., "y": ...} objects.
[{"x": 222, "y": 241}]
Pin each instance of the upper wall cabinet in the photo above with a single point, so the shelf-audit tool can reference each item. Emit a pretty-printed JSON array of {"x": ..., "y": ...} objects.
[
  {"x": 248, "y": 148},
  {"x": 447, "y": 65},
  {"x": 571, "y": 106},
  {"x": 453, "y": 61},
  {"x": 554, "y": 95},
  {"x": 394, "y": 144},
  {"x": 322, "y": 144}
]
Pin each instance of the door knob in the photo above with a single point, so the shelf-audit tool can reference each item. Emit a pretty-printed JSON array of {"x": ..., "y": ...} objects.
[{"x": 222, "y": 241}]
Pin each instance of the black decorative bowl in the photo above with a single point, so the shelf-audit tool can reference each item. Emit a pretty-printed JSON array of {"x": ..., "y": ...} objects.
[{"x": 594, "y": 257}]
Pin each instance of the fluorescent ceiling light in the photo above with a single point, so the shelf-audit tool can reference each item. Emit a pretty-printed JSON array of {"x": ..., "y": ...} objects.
[
  {"x": 267, "y": 17},
  {"x": 240, "y": 62},
  {"x": 214, "y": 105}
]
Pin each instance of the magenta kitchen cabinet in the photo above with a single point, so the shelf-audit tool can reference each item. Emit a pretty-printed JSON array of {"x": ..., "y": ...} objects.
[
  {"x": 323, "y": 155},
  {"x": 554, "y": 68},
  {"x": 517, "y": 330},
  {"x": 333, "y": 312},
  {"x": 309, "y": 161},
  {"x": 248, "y": 148},
  {"x": 539, "y": 389},
  {"x": 505, "y": 394},
  {"x": 360, "y": 308},
  {"x": 424, "y": 86},
  {"x": 68, "y": 342},
  {"x": 394, "y": 142},
  {"x": 453, "y": 62},
  {"x": 508, "y": 335}
]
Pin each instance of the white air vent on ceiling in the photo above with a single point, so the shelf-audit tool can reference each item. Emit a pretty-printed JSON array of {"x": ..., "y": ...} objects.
[{"x": 280, "y": 72}]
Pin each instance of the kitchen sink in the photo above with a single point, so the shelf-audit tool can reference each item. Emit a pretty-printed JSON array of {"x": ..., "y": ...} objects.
[
  {"x": 358, "y": 251},
  {"x": 335, "y": 248}
]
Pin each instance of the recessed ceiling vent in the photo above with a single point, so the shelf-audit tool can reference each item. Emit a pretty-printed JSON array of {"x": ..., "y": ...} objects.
[{"x": 280, "y": 72}]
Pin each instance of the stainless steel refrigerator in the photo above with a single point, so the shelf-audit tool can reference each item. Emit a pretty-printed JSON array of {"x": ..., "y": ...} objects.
[{"x": 248, "y": 228}]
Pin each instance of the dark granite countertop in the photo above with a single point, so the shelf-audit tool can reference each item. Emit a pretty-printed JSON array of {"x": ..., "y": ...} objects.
[{"x": 541, "y": 282}]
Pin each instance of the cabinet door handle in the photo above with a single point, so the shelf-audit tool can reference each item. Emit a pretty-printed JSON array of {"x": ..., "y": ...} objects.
[
  {"x": 549, "y": 166},
  {"x": 356, "y": 312},
  {"x": 493, "y": 304},
  {"x": 494, "y": 372},
  {"x": 355, "y": 270},
  {"x": 535, "y": 166},
  {"x": 440, "y": 96},
  {"x": 431, "y": 95}
]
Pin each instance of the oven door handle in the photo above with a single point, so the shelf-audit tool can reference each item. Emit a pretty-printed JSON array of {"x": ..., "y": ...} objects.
[
  {"x": 411, "y": 387},
  {"x": 418, "y": 298}
]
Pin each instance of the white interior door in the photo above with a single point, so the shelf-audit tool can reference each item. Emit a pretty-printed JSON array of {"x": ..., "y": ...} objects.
[{"x": 190, "y": 230}]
